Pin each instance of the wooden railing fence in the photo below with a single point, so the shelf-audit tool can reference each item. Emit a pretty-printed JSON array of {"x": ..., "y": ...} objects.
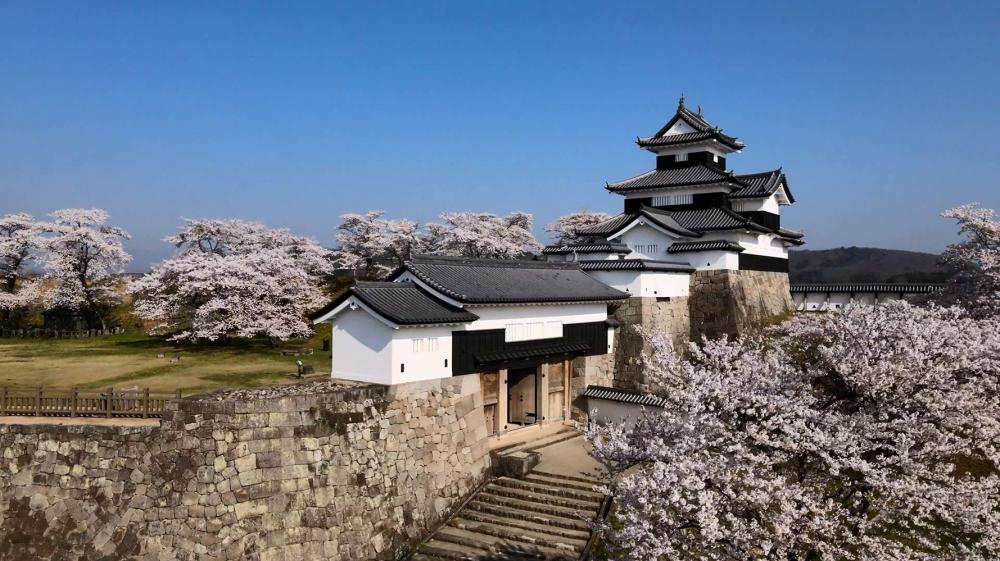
[{"x": 74, "y": 403}]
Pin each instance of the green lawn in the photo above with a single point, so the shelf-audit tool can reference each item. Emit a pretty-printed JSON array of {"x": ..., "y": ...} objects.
[{"x": 130, "y": 360}]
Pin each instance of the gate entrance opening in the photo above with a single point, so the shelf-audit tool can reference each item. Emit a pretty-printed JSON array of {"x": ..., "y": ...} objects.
[{"x": 522, "y": 396}]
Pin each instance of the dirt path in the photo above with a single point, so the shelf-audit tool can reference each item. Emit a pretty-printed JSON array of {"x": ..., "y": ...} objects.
[{"x": 66, "y": 421}]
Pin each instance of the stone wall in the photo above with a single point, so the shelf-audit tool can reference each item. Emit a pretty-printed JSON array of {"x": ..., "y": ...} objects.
[
  {"x": 721, "y": 302},
  {"x": 731, "y": 303},
  {"x": 309, "y": 471},
  {"x": 665, "y": 316}
]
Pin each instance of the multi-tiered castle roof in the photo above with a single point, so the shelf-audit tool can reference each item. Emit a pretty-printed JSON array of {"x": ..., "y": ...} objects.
[{"x": 692, "y": 208}]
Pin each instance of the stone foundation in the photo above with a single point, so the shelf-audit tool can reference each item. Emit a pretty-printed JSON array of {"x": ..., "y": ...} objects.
[
  {"x": 731, "y": 303},
  {"x": 312, "y": 471},
  {"x": 721, "y": 303},
  {"x": 666, "y": 316}
]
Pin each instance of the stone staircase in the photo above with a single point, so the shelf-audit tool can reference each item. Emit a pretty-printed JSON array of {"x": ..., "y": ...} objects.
[
  {"x": 561, "y": 435},
  {"x": 543, "y": 516}
]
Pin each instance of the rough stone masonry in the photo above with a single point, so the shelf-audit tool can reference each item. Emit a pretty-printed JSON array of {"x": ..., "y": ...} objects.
[{"x": 309, "y": 471}]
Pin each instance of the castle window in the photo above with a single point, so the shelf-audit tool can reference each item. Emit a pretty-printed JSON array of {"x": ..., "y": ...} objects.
[
  {"x": 682, "y": 157},
  {"x": 669, "y": 200}
]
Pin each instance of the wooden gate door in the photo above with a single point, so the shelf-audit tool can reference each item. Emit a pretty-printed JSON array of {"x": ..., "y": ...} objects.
[{"x": 521, "y": 395}]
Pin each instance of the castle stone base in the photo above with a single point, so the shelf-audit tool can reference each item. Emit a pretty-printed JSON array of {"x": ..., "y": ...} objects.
[
  {"x": 721, "y": 304},
  {"x": 731, "y": 303}
]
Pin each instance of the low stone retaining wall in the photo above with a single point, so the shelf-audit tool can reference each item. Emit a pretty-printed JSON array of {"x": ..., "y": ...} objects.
[
  {"x": 45, "y": 333},
  {"x": 308, "y": 471}
]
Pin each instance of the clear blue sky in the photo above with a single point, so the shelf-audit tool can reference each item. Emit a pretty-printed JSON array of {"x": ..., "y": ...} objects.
[{"x": 882, "y": 114}]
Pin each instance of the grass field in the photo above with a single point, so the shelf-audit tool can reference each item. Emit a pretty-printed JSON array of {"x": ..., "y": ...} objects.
[{"x": 130, "y": 360}]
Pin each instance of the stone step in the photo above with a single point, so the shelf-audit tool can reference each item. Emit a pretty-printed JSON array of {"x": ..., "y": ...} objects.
[
  {"x": 576, "y": 478},
  {"x": 427, "y": 557},
  {"x": 519, "y": 535},
  {"x": 501, "y": 545},
  {"x": 539, "y": 508},
  {"x": 439, "y": 549},
  {"x": 541, "y": 487},
  {"x": 534, "y": 476},
  {"x": 508, "y": 510},
  {"x": 517, "y": 519},
  {"x": 549, "y": 439},
  {"x": 542, "y": 498}
]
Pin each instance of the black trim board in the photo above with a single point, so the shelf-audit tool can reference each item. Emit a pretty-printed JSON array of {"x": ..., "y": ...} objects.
[
  {"x": 751, "y": 262},
  {"x": 465, "y": 345}
]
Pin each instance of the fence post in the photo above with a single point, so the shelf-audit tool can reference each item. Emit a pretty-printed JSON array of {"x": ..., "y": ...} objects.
[
  {"x": 111, "y": 396},
  {"x": 178, "y": 393},
  {"x": 145, "y": 403},
  {"x": 73, "y": 406},
  {"x": 38, "y": 402},
  {"x": 3, "y": 401}
]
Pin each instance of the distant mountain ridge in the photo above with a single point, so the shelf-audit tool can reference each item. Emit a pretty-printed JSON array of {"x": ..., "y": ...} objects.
[{"x": 865, "y": 264}]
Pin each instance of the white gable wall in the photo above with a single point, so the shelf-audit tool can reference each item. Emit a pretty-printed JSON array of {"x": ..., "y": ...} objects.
[
  {"x": 647, "y": 242},
  {"x": 680, "y": 127},
  {"x": 361, "y": 348}
]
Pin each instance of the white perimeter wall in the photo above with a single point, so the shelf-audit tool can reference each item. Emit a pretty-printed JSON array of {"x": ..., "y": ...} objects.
[
  {"x": 616, "y": 412},
  {"x": 821, "y": 302},
  {"x": 361, "y": 348},
  {"x": 646, "y": 283}
]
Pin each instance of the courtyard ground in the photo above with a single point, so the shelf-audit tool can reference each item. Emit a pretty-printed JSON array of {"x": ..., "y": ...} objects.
[{"x": 130, "y": 360}]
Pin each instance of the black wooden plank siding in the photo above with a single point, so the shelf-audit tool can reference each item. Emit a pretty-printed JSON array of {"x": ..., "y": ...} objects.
[
  {"x": 750, "y": 262},
  {"x": 467, "y": 345},
  {"x": 764, "y": 218}
]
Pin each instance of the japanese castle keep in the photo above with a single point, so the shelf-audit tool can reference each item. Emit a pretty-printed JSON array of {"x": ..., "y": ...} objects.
[{"x": 698, "y": 250}]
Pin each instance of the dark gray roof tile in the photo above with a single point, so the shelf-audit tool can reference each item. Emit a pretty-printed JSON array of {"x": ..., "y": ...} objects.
[
  {"x": 698, "y": 123},
  {"x": 716, "y": 245},
  {"x": 586, "y": 248},
  {"x": 402, "y": 303},
  {"x": 490, "y": 281},
  {"x": 623, "y": 396},
  {"x": 904, "y": 288},
  {"x": 699, "y": 174},
  {"x": 635, "y": 265},
  {"x": 525, "y": 352}
]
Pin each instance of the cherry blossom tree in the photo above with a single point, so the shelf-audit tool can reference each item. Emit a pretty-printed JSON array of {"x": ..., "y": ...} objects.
[
  {"x": 869, "y": 434},
  {"x": 20, "y": 241},
  {"x": 374, "y": 246},
  {"x": 481, "y": 234},
  {"x": 564, "y": 229},
  {"x": 83, "y": 258},
  {"x": 976, "y": 286},
  {"x": 232, "y": 278}
]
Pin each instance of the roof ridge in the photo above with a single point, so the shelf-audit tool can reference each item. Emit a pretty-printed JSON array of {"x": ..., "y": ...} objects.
[
  {"x": 487, "y": 262},
  {"x": 759, "y": 173},
  {"x": 383, "y": 284}
]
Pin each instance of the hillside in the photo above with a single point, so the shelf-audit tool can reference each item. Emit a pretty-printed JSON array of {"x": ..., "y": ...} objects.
[{"x": 865, "y": 264}]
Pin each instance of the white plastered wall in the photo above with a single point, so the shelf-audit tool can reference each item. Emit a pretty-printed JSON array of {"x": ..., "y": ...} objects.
[
  {"x": 497, "y": 317},
  {"x": 428, "y": 359},
  {"x": 646, "y": 283}
]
